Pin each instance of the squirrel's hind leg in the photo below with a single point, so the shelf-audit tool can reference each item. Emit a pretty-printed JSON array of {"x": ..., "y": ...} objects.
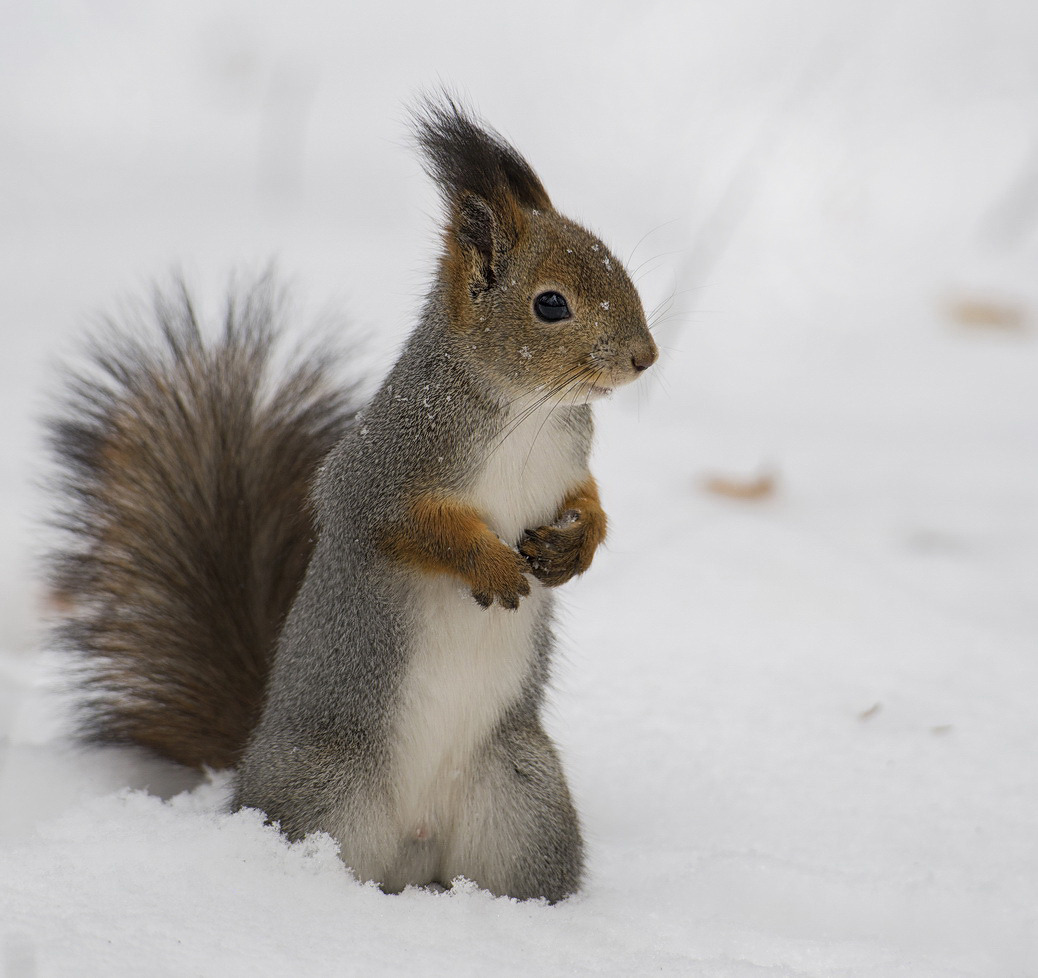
[
  {"x": 333, "y": 788},
  {"x": 517, "y": 832}
]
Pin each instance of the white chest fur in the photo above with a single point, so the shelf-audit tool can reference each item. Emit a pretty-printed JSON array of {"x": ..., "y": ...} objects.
[
  {"x": 528, "y": 473},
  {"x": 468, "y": 663}
]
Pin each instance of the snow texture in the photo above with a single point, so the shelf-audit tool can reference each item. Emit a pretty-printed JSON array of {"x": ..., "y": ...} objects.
[{"x": 796, "y": 691}]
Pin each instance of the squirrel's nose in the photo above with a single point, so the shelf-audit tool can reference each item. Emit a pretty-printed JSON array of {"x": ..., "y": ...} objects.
[{"x": 645, "y": 358}]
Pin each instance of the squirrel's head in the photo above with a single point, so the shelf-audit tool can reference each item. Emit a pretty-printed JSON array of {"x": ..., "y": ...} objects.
[{"x": 545, "y": 303}]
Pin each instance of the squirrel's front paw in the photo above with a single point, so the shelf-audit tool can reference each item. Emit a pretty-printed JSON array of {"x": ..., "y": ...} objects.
[
  {"x": 562, "y": 550},
  {"x": 500, "y": 577}
]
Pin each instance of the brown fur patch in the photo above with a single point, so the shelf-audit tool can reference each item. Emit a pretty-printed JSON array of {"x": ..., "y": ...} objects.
[{"x": 441, "y": 535}]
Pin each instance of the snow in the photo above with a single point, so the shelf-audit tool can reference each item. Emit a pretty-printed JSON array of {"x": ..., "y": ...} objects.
[{"x": 795, "y": 694}]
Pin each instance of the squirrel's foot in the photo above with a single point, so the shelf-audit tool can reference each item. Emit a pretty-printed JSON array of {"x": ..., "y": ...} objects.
[
  {"x": 562, "y": 550},
  {"x": 500, "y": 577}
]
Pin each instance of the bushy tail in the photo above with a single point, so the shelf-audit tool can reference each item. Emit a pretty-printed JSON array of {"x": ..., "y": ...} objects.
[{"x": 185, "y": 475}]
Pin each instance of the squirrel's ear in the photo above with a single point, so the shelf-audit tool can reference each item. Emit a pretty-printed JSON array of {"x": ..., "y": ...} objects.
[
  {"x": 487, "y": 186},
  {"x": 480, "y": 237}
]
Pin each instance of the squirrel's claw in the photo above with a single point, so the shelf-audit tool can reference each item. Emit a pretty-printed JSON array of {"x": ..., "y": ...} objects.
[
  {"x": 506, "y": 583},
  {"x": 507, "y": 598},
  {"x": 559, "y": 552}
]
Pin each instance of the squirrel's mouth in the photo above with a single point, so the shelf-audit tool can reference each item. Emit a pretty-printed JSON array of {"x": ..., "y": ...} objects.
[{"x": 597, "y": 391}]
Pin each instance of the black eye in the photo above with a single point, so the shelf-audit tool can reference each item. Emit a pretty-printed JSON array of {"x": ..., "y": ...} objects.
[{"x": 551, "y": 307}]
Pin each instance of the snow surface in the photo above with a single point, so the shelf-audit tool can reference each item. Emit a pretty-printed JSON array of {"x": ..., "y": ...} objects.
[{"x": 800, "y": 726}]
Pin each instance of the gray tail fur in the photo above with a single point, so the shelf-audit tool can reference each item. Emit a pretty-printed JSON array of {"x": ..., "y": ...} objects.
[{"x": 185, "y": 471}]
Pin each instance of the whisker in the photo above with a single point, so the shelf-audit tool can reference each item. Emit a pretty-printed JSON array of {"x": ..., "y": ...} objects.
[
  {"x": 662, "y": 307},
  {"x": 572, "y": 372},
  {"x": 656, "y": 323},
  {"x": 660, "y": 379},
  {"x": 548, "y": 392},
  {"x": 591, "y": 387},
  {"x": 575, "y": 384},
  {"x": 634, "y": 250},
  {"x": 571, "y": 378},
  {"x": 663, "y": 254}
]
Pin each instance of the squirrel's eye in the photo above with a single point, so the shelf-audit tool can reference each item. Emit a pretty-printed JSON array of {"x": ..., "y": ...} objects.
[{"x": 551, "y": 307}]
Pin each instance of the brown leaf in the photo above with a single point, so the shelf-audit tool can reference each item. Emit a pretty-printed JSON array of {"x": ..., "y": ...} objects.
[
  {"x": 986, "y": 312},
  {"x": 757, "y": 487},
  {"x": 870, "y": 712}
]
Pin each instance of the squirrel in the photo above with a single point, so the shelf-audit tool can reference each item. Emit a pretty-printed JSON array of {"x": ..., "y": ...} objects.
[{"x": 352, "y": 604}]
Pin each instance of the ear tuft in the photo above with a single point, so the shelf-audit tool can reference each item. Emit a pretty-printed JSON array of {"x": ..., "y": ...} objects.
[{"x": 464, "y": 156}]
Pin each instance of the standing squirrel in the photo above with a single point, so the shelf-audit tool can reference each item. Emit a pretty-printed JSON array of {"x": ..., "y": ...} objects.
[{"x": 353, "y": 607}]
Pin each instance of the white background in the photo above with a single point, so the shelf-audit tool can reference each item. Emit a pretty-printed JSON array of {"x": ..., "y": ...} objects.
[{"x": 801, "y": 729}]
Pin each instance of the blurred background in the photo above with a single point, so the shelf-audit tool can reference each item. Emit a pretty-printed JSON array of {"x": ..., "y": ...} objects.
[{"x": 829, "y": 482}]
